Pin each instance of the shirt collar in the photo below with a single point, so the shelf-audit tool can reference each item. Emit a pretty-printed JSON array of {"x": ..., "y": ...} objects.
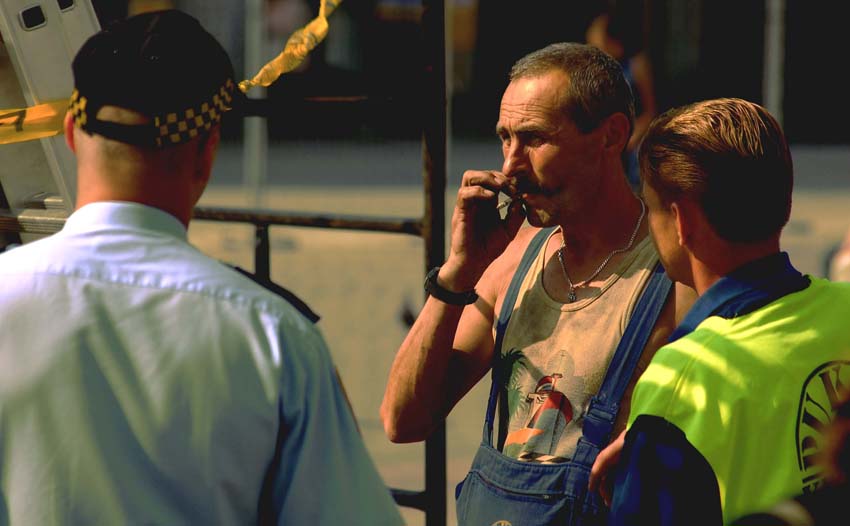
[
  {"x": 745, "y": 289},
  {"x": 124, "y": 214}
]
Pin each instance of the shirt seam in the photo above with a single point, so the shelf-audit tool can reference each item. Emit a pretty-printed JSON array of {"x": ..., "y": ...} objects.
[{"x": 238, "y": 297}]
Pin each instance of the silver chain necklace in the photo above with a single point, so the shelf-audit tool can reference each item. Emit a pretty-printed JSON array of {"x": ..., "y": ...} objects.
[{"x": 571, "y": 296}]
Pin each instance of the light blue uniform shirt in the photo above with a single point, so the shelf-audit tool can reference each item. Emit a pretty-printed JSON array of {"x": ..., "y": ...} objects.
[{"x": 142, "y": 382}]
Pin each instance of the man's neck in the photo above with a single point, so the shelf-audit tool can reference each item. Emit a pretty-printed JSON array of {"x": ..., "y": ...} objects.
[
  {"x": 723, "y": 260},
  {"x": 173, "y": 199},
  {"x": 601, "y": 230}
]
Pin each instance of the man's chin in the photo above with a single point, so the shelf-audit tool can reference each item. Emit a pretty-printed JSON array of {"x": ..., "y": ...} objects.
[{"x": 538, "y": 219}]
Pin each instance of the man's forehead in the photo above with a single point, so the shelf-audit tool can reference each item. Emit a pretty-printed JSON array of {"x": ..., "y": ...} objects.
[{"x": 533, "y": 101}]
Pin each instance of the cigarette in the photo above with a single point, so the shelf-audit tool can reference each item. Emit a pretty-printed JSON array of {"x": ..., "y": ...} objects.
[{"x": 504, "y": 203}]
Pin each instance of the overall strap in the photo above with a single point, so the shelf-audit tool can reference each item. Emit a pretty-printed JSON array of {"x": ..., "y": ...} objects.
[
  {"x": 502, "y": 323},
  {"x": 599, "y": 420}
]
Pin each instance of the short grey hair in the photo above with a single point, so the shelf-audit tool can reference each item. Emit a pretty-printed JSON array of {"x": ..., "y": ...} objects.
[{"x": 597, "y": 89}]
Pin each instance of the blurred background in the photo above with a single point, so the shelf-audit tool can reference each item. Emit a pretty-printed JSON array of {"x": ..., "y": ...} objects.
[
  {"x": 698, "y": 49},
  {"x": 343, "y": 135}
]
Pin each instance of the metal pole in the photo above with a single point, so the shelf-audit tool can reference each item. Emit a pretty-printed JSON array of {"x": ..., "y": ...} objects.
[
  {"x": 434, "y": 154},
  {"x": 254, "y": 156},
  {"x": 262, "y": 252},
  {"x": 774, "y": 57}
]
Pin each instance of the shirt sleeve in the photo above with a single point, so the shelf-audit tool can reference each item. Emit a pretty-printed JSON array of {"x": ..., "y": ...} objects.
[
  {"x": 663, "y": 480},
  {"x": 322, "y": 473}
]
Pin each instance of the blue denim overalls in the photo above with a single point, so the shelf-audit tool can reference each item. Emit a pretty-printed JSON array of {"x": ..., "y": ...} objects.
[{"x": 502, "y": 491}]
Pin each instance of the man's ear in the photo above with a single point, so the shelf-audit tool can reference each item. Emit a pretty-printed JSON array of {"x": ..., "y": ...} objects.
[
  {"x": 207, "y": 148},
  {"x": 68, "y": 126},
  {"x": 617, "y": 131},
  {"x": 686, "y": 215}
]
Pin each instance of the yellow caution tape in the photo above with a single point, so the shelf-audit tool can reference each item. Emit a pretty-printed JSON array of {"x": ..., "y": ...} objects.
[
  {"x": 45, "y": 120},
  {"x": 296, "y": 50},
  {"x": 35, "y": 122}
]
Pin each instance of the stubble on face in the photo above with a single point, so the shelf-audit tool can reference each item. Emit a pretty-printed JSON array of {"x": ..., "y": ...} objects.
[{"x": 538, "y": 143}]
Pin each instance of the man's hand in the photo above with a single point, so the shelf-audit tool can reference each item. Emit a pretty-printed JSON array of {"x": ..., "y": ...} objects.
[
  {"x": 479, "y": 234},
  {"x": 602, "y": 472}
]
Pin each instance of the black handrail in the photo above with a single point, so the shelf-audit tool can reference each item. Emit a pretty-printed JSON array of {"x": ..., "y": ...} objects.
[{"x": 435, "y": 156}]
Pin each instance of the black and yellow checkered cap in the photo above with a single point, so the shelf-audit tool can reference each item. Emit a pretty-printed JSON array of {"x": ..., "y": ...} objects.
[{"x": 164, "y": 65}]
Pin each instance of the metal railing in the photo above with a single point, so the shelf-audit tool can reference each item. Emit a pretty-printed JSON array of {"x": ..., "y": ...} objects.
[
  {"x": 431, "y": 228},
  {"x": 432, "y": 500}
]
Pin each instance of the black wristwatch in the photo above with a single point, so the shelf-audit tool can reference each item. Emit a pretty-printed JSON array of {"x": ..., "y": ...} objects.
[{"x": 447, "y": 296}]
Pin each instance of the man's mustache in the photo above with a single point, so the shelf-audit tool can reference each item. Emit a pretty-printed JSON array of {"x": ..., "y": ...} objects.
[{"x": 523, "y": 186}]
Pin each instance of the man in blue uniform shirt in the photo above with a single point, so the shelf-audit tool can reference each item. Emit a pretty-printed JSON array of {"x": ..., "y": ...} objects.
[{"x": 141, "y": 381}]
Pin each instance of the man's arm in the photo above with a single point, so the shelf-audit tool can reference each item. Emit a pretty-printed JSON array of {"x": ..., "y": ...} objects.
[
  {"x": 446, "y": 352},
  {"x": 678, "y": 304},
  {"x": 449, "y": 347},
  {"x": 318, "y": 445}
]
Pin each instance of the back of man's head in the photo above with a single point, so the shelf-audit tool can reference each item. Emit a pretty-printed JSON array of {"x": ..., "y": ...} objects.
[
  {"x": 161, "y": 65},
  {"x": 728, "y": 155},
  {"x": 597, "y": 88}
]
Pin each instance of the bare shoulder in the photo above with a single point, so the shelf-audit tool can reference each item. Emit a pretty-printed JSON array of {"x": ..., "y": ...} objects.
[
  {"x": 678, "y": 303},
  {"x": 684, "y": 296},
  {"x": 497, "y": 277}
]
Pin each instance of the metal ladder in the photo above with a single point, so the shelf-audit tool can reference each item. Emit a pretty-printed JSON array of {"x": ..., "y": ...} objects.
[{"x": 38, "y": 178}]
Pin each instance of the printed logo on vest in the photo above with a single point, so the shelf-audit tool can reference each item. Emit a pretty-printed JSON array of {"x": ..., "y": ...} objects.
[
  {"x": 502, "y": 523},
  {"x": 822, "y": 393}
]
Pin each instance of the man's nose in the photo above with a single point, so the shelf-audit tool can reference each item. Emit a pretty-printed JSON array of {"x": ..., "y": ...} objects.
[{"x": 515, "y": 159}]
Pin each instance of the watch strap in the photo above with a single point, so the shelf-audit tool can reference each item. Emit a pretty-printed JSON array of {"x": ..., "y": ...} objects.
[{"x": 445, "y": 295}]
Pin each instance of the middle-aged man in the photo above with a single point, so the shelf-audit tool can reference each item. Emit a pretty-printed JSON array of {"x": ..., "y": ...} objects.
[
  {"x": 730, "y": 416},
  {"x": 569, "y": 287},
  {"x": 142, "y": 382}
]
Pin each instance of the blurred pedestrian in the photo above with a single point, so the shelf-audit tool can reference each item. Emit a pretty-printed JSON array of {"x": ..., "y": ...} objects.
[
  {"x": 839, "y": 262},
  {"x": 618, "y": 31}
]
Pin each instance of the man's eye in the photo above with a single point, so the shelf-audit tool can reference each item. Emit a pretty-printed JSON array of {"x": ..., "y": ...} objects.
[{"x": 532, "y": 139}]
